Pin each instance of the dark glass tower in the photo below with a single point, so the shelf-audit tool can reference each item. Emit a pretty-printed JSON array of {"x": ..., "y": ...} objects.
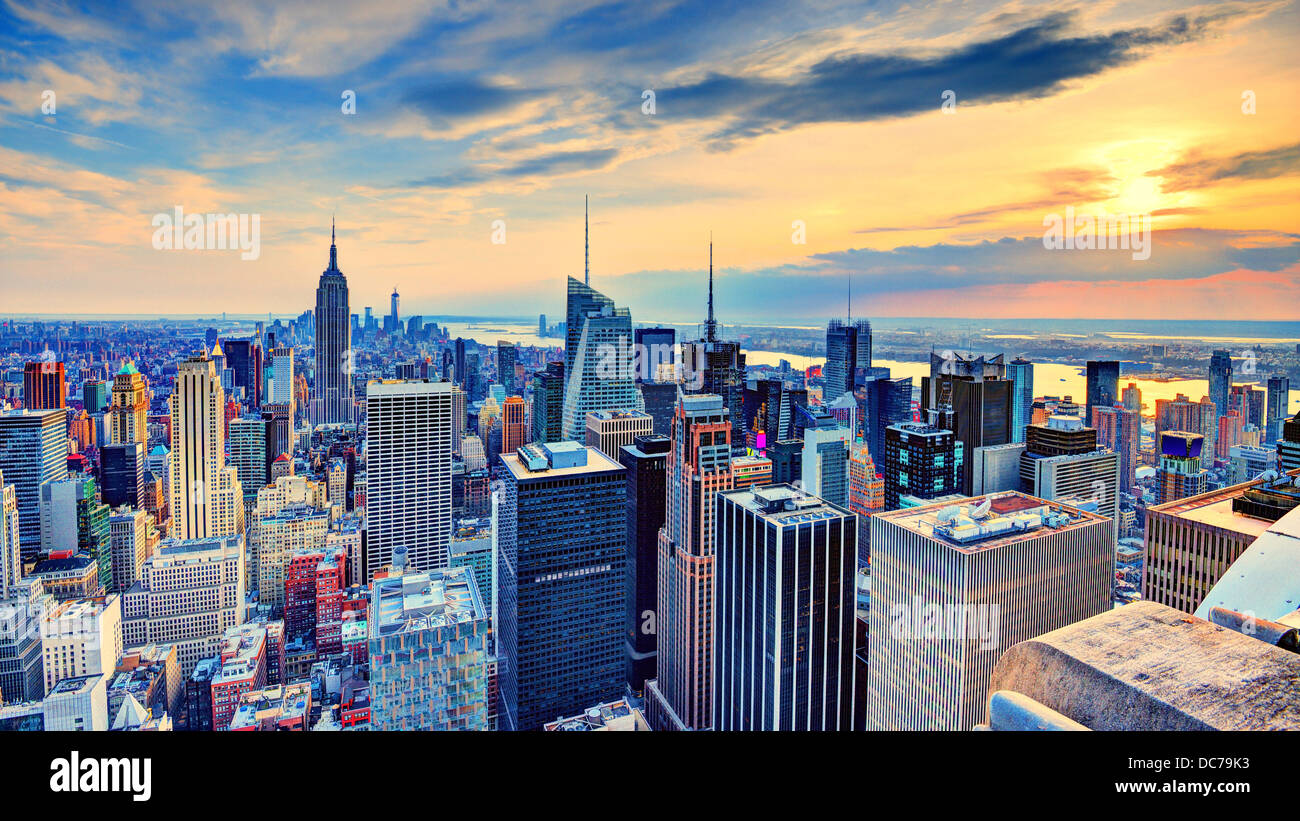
[
  {"x": 1220, "y": 380},
  {"x": 562, "y": 534},
  {"x": 647, "y": 492},
  {"x": 1103, "y": 387},
  {"x": 333, "y": 371}
]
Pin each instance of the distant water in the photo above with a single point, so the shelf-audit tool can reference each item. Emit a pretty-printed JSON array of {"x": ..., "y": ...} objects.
[{"x": 1050, "y": 379}]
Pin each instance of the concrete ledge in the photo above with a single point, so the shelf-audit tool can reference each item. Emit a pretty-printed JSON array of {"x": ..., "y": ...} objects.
[{"x": 1145, "y": 666}]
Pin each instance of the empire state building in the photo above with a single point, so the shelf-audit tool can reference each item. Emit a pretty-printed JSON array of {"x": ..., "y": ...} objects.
[{"x": 333, "y": 400}]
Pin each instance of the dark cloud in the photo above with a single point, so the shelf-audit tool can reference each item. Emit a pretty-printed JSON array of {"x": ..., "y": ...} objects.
[
  {"x": 553, "y": 164},
  {"x": 1197, "y": 171},
  {"x": 446, "y": 102},
  {"x": 1033, "y": 61}
]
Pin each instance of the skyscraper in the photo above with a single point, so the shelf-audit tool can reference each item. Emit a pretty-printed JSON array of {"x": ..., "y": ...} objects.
[
  {"x": 1278, "y": 402},
  {"x": 1180, "y": 473},
  {"x": 121, "y": 470},
  {"x": 333, "y": 394},
  {"x": 785, "y": 598},
  {"x": 1220, "y": 380},
  {"x": 598, "y": 372},
  {"x": 507, "y": 356},
  {"x": 44, "y": 385},
  {"x": 1120, "y": 429},
  {"x": 1021, "y": 373},
  {"x": 428, "y": 652},
  {"x": 408, "y": 464},
  {"x": 1103, "y": 385},
  {"x": 646, "y": 460},
  {"x": 921, "y": 462},
  {"x": 699, "y": 466},
  {"x": 548, "y": 403},
  {"x": 562, "y": 534},
  {"x": 128, "y": 419},
  {"x": 953, "y": 586},
  {"x": 33, "y": 452},
  {"x": 206, "y": 498},
  {"x": 514, "y": 424},
  {"x": 826, "y": 460},
  {"x": 848, "y": 347},
  {"x": 970, "y": 396}
]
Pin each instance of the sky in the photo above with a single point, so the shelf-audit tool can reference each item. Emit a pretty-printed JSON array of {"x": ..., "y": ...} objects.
[{"x": 915, "y": 153}]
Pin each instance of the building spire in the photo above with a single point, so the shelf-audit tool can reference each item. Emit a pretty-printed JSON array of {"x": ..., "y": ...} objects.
[
  {"x": 334, "y": 253},
  {"x": 586, "y": 244},
  {"x": 711, "y": 324},
  {"x": 850, "y": 278}
]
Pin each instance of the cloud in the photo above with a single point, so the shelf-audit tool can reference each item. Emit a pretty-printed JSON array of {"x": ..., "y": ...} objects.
[
  {"x": 1036, "y": 60},
  {"x": 1197, "y": 171},
  {"x": 547, "y": 165}
]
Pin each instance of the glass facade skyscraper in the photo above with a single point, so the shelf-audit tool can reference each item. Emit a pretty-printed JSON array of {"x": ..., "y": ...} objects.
[
  {"x": 563, "y": 541},
  {"x": 785, "y": 599},
  {"x": 1021, "y": 373}
]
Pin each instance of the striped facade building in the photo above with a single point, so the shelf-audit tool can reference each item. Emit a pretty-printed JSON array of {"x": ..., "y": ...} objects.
[
  {"x": 953, "y": 586},
  {"x": 785, "y": 628}
]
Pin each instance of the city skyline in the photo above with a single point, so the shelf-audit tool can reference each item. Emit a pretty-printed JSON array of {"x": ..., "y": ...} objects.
[{"x": 932, "y": 211}]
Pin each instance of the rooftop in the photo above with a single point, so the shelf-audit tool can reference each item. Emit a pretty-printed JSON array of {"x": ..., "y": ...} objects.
[
  {"x": 611, "y": 716},
  {"x": 784, "y": 504},
  {"x": 597, "y": 462},
  {"x": 422, "y": 601},
  {"x": 986, "y": 522}
]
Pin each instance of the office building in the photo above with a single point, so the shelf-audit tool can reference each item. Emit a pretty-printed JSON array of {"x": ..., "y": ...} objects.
[
  {"x": 548, "y": 403},
  {"x": 1220, "y": 373},
  {"x": 922, "y": 462},
  {"x": 1062, "y": 463},
  {"x": 751, "y": 470},
  {"x": 507, "y": 358},
  {"x": 953, "y": 586},
  {"x": 128, "y": 537},
  {"x": 996, "y": 468},
  {"x": 657, "y": 349},
  {"x": 189, "y": 593},
  {"x": 785, "y": 604},
  {"x": 609, "y": 430},
  {"x": 646, "y": 462},
  {"x": 1191, "y": 542},
  {"x": 243, "y": 652},
  {"x": 333, "y": 389},
  {"x": 825, "y": 461},
  {"x": 94, "y": 395},
  {"x": 408, "y": 463},
  {"x": 128, "y": 417},
  {"x": 1120, "y": 429},
  {"x": 206, "y": 500},
  {"x": 1276, "y": 407},
  {"x": 698, "y": 468},
  {"x": 428, "y": 652},
  {"x": 562, "y": 534},
  {"x": 1021, "y": 373},
  {"x": 78, "y": 704},
  {"x": 1288, "y": 447},
  {"x": 33, "y": 452},
  {"x": 44, "y": 386},
  {"x": 121, "y": 471},
  {"x": 81, "y": 637},
  {"x": 1180, "y": 473},
  {"x": 1103, "y": 385},
  {"x": 1249, "y": 461},
  {"x": 514, "y": 424},
  {"x": 848, "y": 347},
  {"x": 598, "y": 373}
]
